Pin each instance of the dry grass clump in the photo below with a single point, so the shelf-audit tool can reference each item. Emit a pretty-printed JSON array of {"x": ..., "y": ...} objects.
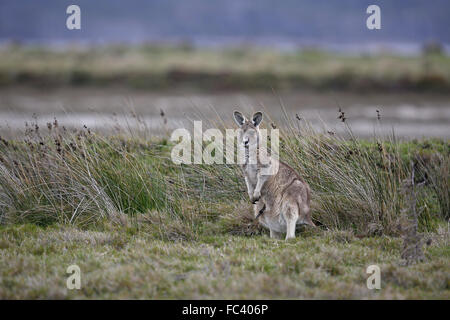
[{"x": 412, "y": 244}]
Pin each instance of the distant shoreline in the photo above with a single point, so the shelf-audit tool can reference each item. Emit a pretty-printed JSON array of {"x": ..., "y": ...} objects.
[
  {"x": 283, "y": 45},
  {"x": 151, "y": 67}
]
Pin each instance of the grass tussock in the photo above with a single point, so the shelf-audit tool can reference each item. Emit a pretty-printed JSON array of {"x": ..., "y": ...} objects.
[{"x": 77, "y": 178}]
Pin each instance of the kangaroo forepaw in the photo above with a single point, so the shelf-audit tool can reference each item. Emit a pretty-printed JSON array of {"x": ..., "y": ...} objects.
[
  {"x": 254, "y": 200},
  {"x": 256, "y": 197}
]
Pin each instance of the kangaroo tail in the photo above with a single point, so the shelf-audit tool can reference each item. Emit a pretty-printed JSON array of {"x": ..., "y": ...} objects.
[{"x": 305, "y": 212}]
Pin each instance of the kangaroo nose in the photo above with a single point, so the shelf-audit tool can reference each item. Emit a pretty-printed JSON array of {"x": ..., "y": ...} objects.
[{"x": 246, "y": 142}]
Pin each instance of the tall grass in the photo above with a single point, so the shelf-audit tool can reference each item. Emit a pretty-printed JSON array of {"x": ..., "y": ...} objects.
[
  {"x": 77, "y": 177},
  {"x": 356, "y": 184},
  {"x": 80, "y": 177}
]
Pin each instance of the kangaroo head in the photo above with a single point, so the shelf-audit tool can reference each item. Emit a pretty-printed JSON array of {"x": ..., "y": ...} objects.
[{"x": 249, "y": 134}]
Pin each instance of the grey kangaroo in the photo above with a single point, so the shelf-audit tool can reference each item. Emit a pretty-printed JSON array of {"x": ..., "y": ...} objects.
[{"x": 281, "y": 198}]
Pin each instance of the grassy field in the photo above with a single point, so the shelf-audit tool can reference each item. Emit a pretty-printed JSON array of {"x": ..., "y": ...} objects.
[
  {"x": 140, "y": 226},
  {"x": 164, "y": 67},
  {"x": 135, "y": 262}
]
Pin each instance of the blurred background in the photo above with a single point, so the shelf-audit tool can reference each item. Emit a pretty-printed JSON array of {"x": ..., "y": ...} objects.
[{"x": 183, "y": 60}]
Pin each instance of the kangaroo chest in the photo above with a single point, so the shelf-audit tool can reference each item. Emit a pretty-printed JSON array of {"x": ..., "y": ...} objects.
[{"x": 251, "y": 172}]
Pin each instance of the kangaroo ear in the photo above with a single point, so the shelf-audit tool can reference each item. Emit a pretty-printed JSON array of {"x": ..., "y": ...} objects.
[
  {"x": 257, "y": 118},
  {"x": 239, "y": 118}
]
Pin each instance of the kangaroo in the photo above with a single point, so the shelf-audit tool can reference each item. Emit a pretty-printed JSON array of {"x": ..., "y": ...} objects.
[{"x": 281, "y": 199}]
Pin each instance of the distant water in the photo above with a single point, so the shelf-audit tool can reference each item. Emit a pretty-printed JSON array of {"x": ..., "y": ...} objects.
[
  {"x": 409, "y": 115},
  {"x": 287, "y": 45}
]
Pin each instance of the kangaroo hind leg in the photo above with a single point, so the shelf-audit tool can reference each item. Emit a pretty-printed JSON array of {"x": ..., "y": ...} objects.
[{"x": 291, "y": 216}]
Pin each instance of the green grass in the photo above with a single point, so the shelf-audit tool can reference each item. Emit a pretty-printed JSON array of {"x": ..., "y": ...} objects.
[
  {"x": 150, "y": 67},
  {"x": 125, "y": 262},
  {"x": 140, "y": 226}
]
